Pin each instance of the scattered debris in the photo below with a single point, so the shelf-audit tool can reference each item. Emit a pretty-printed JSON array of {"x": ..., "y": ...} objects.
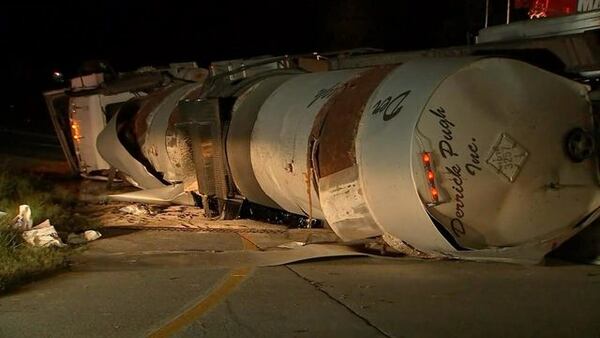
[
  {"x": 91, "y": 235},
  {"x": 171, "y": 194},
  {"x": 23, "y": 221},
  {"x": 2, "y": 214},
  {"x": 88, "y": 236},
  {"x": 43, "y": 235},
  {"x": 387, "y": 243},
  {"x": 175, "y": 216},
  {"x": 291, "y": 245},
  {"x": 138, "y": 210}
]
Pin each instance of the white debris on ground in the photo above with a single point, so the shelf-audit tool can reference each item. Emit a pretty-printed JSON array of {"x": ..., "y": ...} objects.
[
  {"x": 265, "y": 236},
  {"x": 23, "y": 220},
  {"x": 137, "y": 210},
  {"x": 112, "y": 215},
  {"x": 291, "y": 245},
  {"x": 2, "y": 214},
  {"x": 43, "y": 235},
  {"x": 87, "y": 236}
]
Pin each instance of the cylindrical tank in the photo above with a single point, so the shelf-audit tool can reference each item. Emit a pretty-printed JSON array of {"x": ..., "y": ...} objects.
[
  {"x": 244, "y": 114},
  {"x": 280, "y": 139},
  {"x": 141, "y": 140},
  {"x": 450, "y": 156},
  {"x": 164, "y": 148}
]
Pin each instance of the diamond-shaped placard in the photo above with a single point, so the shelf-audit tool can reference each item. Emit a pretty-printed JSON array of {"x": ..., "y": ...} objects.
[{"x": 507, "y": 157}]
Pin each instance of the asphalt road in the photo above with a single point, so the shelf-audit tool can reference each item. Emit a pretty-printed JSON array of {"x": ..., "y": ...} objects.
[{"x": 208, "y": 285}]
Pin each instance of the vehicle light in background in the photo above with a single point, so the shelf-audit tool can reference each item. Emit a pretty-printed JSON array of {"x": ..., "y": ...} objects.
[
  {"x": 58, "y": 76},
  {"x": 435, "y": 196}
]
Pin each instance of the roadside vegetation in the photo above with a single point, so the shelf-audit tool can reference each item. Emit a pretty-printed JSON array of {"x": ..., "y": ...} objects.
[{"x": 20, "y": 262}]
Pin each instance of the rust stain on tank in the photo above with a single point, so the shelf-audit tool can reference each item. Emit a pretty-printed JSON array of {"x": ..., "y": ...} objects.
[{"x": 336, "y": 124}]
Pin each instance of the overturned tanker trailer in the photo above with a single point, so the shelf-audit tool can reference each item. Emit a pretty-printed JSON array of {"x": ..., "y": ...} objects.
[
  {"x": 491, "y": 155},
  {"x": 450, "y": 156},
  {"x": 468, "y": 157}
]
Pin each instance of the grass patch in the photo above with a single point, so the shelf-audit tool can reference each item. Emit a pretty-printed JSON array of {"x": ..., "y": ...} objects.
[{"x": 20, "y": 262}]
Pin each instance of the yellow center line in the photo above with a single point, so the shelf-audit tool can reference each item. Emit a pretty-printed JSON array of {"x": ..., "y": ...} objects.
[{"x": 234, "y": 278}]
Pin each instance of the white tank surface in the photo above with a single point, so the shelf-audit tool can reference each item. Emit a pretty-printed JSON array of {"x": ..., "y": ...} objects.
[
  {"x": 149, "y": 122},
  {"x": 164, "y": 150},
  {"x": 496, "y": 130},
  {"x": 280, "y": 138},
  {"x": 494, "y": 133},
  {"x": 459, "y": 157}
]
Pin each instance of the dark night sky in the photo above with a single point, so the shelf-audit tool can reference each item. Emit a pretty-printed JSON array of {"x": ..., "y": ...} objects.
[{"x": 38, "y": 39}]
